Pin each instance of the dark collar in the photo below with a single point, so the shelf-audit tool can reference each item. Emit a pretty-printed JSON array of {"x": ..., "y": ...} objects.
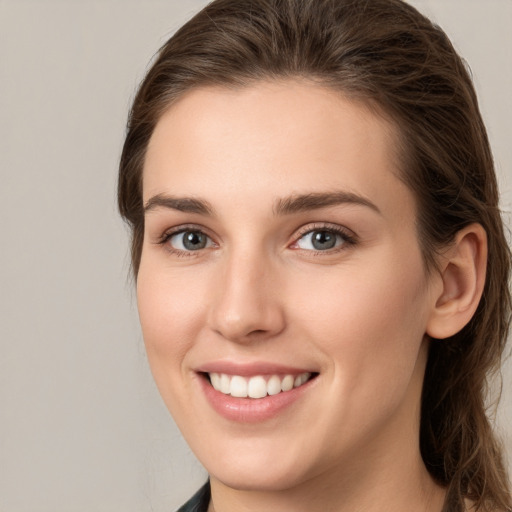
[{"x": 199, "y": 502}]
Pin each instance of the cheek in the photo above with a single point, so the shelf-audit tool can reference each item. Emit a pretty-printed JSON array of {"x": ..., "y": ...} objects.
[
  {"x": 369, "y": 322},
  {"x": 170, "y": 315},
  {"x": 170, "y": 318}
]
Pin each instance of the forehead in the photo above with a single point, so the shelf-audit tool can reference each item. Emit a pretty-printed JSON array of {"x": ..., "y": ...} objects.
[{"x": 283, "y": 137}]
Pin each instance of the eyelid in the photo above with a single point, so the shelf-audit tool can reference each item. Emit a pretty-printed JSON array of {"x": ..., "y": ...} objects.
[
  {"x": 167, "y": 233},
  {"x": 327, "y": 226},
  {"x": 164, "y": 238},
  {"x": 349, "y": 237}
]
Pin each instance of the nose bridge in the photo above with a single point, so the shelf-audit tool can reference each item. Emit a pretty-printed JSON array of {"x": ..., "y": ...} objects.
[{"x": 247, "y": 304}]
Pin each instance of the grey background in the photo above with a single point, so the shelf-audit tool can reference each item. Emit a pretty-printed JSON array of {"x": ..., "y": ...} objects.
[{"x": 82, "y": 427}]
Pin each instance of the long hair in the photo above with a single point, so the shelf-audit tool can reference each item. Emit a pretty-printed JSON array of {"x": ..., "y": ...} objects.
[{"x": 383, "y": 52}]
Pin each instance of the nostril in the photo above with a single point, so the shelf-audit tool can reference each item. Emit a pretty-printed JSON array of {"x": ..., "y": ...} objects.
[{"x": 257, "y": 332}]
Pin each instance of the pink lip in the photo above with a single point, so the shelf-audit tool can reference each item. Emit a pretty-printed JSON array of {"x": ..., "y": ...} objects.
[
  {"x": 249, "y": 369},
  {"x": 250, "y": 410}
]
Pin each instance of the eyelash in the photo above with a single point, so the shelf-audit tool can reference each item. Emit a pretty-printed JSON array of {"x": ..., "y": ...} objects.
[
  {"x": 348, "y": 238},
  {"x": 165, "y": 238}
]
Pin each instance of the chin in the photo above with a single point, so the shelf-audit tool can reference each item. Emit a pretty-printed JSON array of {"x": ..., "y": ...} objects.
[
  {"x": 260, "y": 470},
  {"x": 257, "y": 479}
]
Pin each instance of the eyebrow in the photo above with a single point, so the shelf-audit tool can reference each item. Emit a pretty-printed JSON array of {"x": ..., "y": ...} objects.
[
  {"x": 283, "y": 206},
  {"x": 182, "y": 204},
  {"x": 315, "y": 201}
]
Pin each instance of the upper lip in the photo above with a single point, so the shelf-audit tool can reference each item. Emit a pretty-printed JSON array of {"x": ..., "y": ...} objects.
[{"x": 247, "y": 369}]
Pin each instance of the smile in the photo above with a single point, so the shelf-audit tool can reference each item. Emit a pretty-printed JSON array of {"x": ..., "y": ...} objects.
[
  {"x": 259, "y": 394},
  {"x": 257, "y": 386}
]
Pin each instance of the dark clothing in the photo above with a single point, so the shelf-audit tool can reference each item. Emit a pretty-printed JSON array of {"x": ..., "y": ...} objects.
[{"x": 199, "y": 502}]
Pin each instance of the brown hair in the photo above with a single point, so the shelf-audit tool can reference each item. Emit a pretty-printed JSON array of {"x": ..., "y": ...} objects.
[{"x": 386, "y": 53}]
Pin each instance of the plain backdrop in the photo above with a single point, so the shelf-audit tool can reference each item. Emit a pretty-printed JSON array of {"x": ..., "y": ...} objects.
[{"x": 82, "y": 427}]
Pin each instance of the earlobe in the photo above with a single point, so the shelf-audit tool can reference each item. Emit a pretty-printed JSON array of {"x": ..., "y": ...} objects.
[{"x": 463, "y": 273}]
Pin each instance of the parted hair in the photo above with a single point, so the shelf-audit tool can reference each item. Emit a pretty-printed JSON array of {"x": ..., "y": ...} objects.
[{"x": 384, "y": 53}]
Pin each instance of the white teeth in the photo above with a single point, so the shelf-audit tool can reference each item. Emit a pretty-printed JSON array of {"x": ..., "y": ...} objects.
[
  {"x": 215, "y": 380},
  {"x": 287, "y": 383},
  {"x": 257, "y": 386},
  {"x": 238, "y": 386},
  {"x": 224, "y": 384},
  {"x": 274, "y": 385}
]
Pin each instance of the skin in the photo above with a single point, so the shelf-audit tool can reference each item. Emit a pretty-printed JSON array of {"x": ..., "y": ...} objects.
[{"x": 356, "y": 314}]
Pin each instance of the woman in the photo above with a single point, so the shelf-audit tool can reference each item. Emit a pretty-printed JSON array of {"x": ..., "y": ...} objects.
[{"x": 320, "y": 259}]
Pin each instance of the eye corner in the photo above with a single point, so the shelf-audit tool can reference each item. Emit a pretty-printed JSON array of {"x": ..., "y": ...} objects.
[
  {"x": 174, "y": 240},
  {"x": 323, "y": 239}
]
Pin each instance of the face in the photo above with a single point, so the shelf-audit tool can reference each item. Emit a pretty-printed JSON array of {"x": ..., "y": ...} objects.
[{"x": 281, "y": 290}]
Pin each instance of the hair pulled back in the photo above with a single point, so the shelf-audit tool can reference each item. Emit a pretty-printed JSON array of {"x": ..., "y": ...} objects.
[{"x": 387, "y": 54}]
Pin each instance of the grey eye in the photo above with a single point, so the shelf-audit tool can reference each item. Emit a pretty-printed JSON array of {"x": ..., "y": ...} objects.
[
  {"x": 189, "y": 241},
  {"x": 320, "y": 240}
]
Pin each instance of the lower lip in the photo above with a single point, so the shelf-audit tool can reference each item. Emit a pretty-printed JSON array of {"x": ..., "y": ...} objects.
[{"x": 251, "y": 410}]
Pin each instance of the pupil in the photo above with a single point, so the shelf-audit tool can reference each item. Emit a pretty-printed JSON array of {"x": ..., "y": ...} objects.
[
  {"x": 324, "y": 240},
  {"x": 194, "y": 240}
]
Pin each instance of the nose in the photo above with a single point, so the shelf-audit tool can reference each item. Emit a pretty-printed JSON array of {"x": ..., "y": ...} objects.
[{"x": 247, "y": 303}]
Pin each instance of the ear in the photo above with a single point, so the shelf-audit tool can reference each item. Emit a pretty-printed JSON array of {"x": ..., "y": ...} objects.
[{"x": 463, "y": 269}]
